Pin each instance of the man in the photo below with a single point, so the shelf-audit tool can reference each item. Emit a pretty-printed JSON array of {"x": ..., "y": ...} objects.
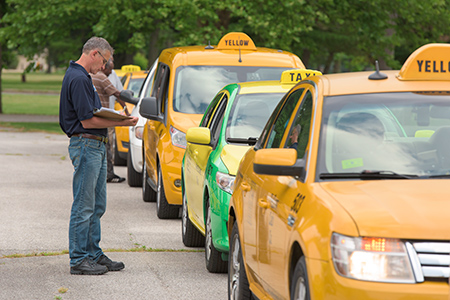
[
  {"x": 105, "y": 89},
  {"x": 87, "y": 151}
]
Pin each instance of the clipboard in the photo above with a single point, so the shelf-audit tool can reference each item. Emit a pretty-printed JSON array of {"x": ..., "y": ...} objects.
[{"x": 110, "y": 114}]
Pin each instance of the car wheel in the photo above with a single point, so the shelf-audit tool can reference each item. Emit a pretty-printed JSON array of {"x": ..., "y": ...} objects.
[
  {"x": 163, "y": 209},
  {"x": 238, "y": 287},
  {"x": 190, "y": 234},
  {"x": 299, "y": 283},
  {"x": 134, "y": 178},
  {"x": 148, "y": 194},
  {"x": 213, "y": 258},
  {"x": 118, "y": 161}
]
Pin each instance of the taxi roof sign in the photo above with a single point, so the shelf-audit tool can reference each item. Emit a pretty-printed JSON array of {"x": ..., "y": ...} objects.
[
  {"x": 296, "y": 75},
  {"x": 130, "y": 68},
  {"x": 429, "y": 62},
  {"x": 235, "y": 41}
]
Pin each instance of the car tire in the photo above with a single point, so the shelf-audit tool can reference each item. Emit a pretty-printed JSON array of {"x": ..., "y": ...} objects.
[
  {"x": 163, "y": 209},
  {"x": 189, "y": 233},
  {"x": 213, "y": 257},
  {"x": 238, "y": 287},
  {"x": 148, "y": 194},
  {"x": 118, "y": 161},
  {"x": 299, "y": 283},
  {"x": 134, "y": 178}
]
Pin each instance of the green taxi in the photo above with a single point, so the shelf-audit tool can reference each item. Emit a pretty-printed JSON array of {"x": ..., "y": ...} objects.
[{"x": 231, "y": 124}]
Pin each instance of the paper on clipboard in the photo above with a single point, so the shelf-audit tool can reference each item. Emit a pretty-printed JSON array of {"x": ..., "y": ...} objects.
[{"x": 110, "y": 114}]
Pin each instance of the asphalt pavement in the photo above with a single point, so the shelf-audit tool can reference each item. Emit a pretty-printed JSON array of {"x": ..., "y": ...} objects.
[{"x": 35, "y": 202}]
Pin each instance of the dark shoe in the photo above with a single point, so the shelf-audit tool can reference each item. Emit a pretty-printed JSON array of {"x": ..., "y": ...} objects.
[
  {"x": 115, "y": 179},
  {"x": 111, "y": 265},
  {"x": 88, "y": 267}
]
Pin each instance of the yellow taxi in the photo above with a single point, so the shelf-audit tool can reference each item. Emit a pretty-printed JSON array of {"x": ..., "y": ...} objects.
[
  {"x": 131, "y": 81},
  {"x": 233, "y": 121},
  {"x": 125, "y": 69},
  {"x": 186, "y": 80},
  {"x": 346, "y": 193}
]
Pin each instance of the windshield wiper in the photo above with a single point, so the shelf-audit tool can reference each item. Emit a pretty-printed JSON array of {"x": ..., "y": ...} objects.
[
  {"x": 367, "y": 174},
  {"x": 440, "y": 176},
  {"x": 250, "y": 141}
]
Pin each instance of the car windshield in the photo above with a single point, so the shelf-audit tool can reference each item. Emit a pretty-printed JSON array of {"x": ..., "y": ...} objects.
[
  {"x": 250, "y": 113},
  {"x": 195, "y": 86},
  {"x": 135, "y": 85},
  {"x": 395, "y": 133}
]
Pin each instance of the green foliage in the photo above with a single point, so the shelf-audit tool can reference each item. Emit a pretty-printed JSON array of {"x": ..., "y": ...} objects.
[
  {"x": 140, "y": 60},
  {"x": 328, "y": 35}
]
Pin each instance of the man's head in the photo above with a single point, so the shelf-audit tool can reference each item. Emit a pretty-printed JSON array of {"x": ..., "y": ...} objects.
[
  {"x": 96, "y": 53},
  {"x": 109, "y": 66}
]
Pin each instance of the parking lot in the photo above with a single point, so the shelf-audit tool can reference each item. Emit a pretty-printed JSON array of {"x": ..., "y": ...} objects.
[{"x": 35, "y": 202}]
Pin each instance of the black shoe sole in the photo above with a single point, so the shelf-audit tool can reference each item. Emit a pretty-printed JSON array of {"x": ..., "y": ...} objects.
[{"x": 87, "y": 272}]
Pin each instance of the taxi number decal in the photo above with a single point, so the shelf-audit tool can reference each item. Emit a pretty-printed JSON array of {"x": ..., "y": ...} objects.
[
  {"x": 298, "y": 202},
  {"x": 433, "y": 66},
  {"x": 352, "y": 163}
]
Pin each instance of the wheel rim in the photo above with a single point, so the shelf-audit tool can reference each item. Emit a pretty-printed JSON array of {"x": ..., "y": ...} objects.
[
  {"x": 300, "y": 289},
  {"x": 184, "y": 219},
  {"x": 208, "y": 241},
  {"x": 235, "y": 268}
]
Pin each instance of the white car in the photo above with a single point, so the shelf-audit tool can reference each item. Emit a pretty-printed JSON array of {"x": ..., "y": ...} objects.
[{"x": 134, "y": 159}]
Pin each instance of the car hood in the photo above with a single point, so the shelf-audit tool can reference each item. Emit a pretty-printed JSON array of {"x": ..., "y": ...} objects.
[
  {"x": 231, "y": 156},
  {"x": 410, "y": 209},
  {"x": 183, "y": 121}
]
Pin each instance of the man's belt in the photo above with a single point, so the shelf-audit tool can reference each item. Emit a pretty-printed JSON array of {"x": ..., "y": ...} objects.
[{"x": 93, "y": 136}]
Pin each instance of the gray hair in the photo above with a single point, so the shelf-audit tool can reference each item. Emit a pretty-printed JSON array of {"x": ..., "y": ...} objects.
[{"x": 97, "y": 43}]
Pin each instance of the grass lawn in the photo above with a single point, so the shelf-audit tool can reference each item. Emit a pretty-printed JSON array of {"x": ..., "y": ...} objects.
[
  {"x": 35, "y": 82},
  {"x": 34, "y": 127},
  {"x": 30, "y": 104}
]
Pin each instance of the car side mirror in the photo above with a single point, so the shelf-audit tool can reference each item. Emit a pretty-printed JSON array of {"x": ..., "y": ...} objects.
[
  {"x": 127, "y": 96},
  {"x": 279, "y": 162},
  {"x": 149, "y": 109},
  {"x": 198, "y": 135}
]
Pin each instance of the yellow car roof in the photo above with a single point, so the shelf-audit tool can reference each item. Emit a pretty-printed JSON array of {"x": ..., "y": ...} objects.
[
  {"x": 427, "y": 69},
  {"x": 138, "y": 74},
  {"x": 288, "y": 79},
  {"x": 234, "y": 49}
]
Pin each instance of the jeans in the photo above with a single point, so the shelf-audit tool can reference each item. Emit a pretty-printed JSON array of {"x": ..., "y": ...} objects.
[{"x": 89, "y": 198}]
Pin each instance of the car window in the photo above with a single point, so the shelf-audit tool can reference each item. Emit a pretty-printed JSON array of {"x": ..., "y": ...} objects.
[
  {"x": 298, "y": 137},
  {"x": 211, "y": 109},
  {"x": 159, "y": 89},
  {"x": 404, "y": 133},
  {"x": 279, "y": 126},
  {"x": 250, "y": 113},
  {"x": 195, "y": 86},
  {"x": 216, "y": 122},
  {"x": 135, "y": 85}
]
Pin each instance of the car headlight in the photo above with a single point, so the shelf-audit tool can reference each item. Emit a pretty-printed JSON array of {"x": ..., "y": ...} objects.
[
  {"x": 371, "y": 259},
  {"x": 138, "y": 131},
  {"x": 225, "y": 182},
  {"x": 178, "y": 137}
]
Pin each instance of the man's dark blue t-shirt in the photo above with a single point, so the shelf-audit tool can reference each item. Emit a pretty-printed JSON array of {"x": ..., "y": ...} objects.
[{"x": 77, "y": 101}]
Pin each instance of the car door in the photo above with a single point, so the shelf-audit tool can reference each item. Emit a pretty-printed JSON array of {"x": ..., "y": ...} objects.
[
  {"x": 260, "y": 196},
  {"x": 279, "y": 196},
  {"x": 196, "y": 160},
  {"x": 154, "y": 128}
]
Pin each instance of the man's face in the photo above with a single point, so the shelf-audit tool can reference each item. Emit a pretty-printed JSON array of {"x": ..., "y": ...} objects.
[
  {"x": 108, "y": 70},
  {"x": 99, "y": 60}
]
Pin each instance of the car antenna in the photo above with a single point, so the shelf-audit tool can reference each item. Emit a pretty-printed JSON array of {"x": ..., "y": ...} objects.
[
  {"x": 377, "y": 75},
  {"x": 209, "y": 46}
]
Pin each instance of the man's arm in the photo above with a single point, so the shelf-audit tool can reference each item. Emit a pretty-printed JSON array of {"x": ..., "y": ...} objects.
[{"x": 97, "y": 122}]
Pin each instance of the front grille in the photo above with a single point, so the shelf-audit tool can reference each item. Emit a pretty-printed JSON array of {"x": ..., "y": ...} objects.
[{"x": 430, "y": 260}]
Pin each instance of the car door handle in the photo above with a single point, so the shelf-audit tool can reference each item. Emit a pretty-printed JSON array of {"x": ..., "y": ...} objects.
[
  {"x": 152, "y": 127},
  {"x": 262, "y": 202},
  {"x": 245, "y": 187},
  {"x": 195, "y": 152}
]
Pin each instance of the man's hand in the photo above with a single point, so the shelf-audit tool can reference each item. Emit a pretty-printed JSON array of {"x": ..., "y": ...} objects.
[{"x": 130, "y": 122}]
